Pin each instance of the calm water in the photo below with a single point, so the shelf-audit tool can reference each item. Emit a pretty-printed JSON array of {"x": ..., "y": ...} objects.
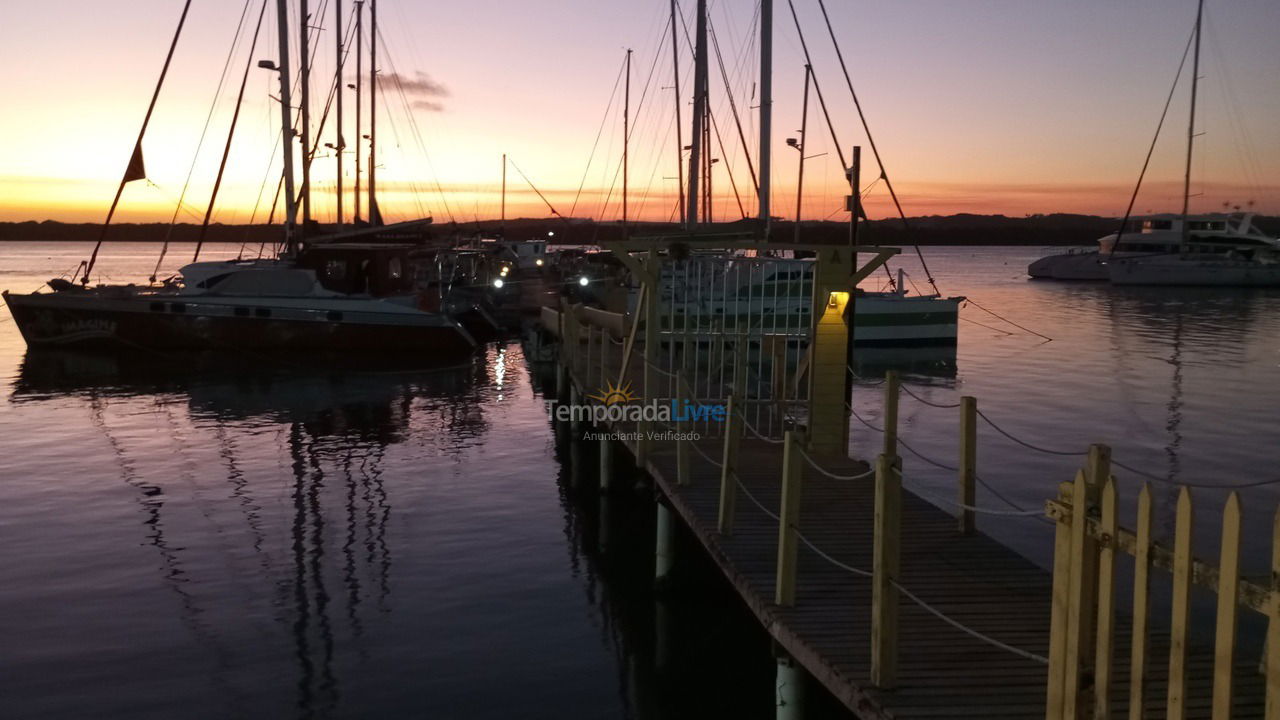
[{"x": 278, "y": 541}]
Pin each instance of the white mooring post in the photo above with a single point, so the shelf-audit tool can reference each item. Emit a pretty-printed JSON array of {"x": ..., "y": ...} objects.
[
  {"x": 606, "y": 462},
  {"x": 664, "y": 551},
  {"x": 789, "y": 690}
]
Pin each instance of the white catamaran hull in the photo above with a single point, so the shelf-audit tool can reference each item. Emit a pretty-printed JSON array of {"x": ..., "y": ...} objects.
[{"x": 1191, "y": 271}]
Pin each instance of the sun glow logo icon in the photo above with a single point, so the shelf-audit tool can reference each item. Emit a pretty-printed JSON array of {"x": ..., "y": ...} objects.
[{"x": 614, "y": 394}]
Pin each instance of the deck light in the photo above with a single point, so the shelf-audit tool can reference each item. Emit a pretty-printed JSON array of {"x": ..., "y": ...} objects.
[
  {"x": 498, "y": 283},
  {"x": 583, "y": 281},
  {"x": 538, "y": 262}
]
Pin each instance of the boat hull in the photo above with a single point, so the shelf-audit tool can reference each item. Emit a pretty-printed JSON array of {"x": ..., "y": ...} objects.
[
  {"x": 891, "y": 320},
  {"x": 1174, "y": 270},
  {"x": 1070, "y": 266},
  {"x": 174, "y": 322}
]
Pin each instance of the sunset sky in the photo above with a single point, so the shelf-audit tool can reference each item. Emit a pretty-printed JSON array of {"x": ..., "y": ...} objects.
[{"x": 985, "y": 106}]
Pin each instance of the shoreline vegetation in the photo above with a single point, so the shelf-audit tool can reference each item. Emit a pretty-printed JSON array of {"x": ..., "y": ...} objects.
[{"x": 960, "y": 230}]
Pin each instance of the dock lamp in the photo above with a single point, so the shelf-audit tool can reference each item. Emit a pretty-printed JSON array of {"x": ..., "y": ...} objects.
[
  {"x": 498, "y": 283},
  {"x": 583, "y": 281}
]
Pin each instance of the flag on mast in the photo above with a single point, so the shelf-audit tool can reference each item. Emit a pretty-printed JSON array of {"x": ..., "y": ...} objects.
[{"x": 137, "y": 170}]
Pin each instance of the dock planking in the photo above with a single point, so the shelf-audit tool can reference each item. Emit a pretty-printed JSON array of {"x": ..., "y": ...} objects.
[{"x": 971, "y": 579}]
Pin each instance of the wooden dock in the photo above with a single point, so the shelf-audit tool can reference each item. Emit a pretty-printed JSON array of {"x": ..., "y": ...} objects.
[{"x": 971, "y": 618}]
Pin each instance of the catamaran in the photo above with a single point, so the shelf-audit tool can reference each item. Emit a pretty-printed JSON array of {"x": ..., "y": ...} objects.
[
  {"x": 336, "y": 293},
  {"x": 1180, "y": 249}
]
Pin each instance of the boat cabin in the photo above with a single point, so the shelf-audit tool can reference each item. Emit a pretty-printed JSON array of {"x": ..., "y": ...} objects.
[{"x": 379, "y": 269}]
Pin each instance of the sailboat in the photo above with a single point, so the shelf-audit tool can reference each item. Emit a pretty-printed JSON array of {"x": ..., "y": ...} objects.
[
  {"x": 1179, "y": 249},
  {"x": 319, "y": 294}
]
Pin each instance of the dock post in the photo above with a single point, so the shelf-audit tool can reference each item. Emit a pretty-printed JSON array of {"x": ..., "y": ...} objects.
[
  {"x": 789, "y": 689},
  {"x": 606, "y": 462},
  {"x": 664, "y": 551},
  {"x": 602, "y": 525},
  {"x": 683, "y": 401},
  {"x": 884, "y": 590},
  {"x": 828, "y": 432},
  {"x": 891, "y": 393},
  {"x": 968, "y": 462},
  {"x": 729, "y": 467},
  {"x": 1055, "y": 700},
  {"x": 650, "y": 355},
  {"x": 788, "y": 521}
]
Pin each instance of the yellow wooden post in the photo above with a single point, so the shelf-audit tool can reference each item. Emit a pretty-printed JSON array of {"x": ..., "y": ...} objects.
[
  {"x": 683, "y": 400},
  {"x": 604, "y": 357},
  {"x": 884, "y": 570},
  {"x": 1079, "y": 609},
  {"x": 1141, "y": 606},
  {"x": 1271, "y": 656},
  {"x": 829, "y": 354},
  {"x": 650, "y": 354},
  {"x": 789, "y": 520},
  {"x": 968, "y": 462},
  {"x": 729, "y": 466},
  {"x": 1102, "y": 667},
  {"x": 1228, "y": 588},
  {"x": 891, "y": 394},
  {"x": 1055, "y": 699},
  {"x": 591, "y": 341},
  {"x": 1179, "y": 623}
]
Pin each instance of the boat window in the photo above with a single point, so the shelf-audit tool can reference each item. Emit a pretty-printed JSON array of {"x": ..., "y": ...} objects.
[
  {"x": 334, "y": 316},
  {"x": 394, "y": 270},
  {"x": 335, "y": 269},
  {"x": 242, "y": 312},
  {"x": 262, "y": 312},
  {"x": 177, "y": 307},
  {"x": 157, "y": 307},
  {"x": 1161, "y": 224},
  {"x": 211, "y": 281}
]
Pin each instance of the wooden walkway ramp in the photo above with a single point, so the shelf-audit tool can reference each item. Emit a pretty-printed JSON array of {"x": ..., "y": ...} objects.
[
  {"x": 973, "y": 629},
  {"x": 976, "y": 629}
]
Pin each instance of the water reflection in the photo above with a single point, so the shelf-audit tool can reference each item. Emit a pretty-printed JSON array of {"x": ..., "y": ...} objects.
[{"x": 336, "y": 427}]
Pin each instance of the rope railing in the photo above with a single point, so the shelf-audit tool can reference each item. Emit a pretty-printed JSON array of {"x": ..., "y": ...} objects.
[
  {"x": 757, "y": 433},
  {"x": 1026, "y": 444},
  {"x": 902, "y": 589},
  {"x": 814, "y": 464},
  {"x": 941, "y": 406},
  {"x": 915, "y": 489}
]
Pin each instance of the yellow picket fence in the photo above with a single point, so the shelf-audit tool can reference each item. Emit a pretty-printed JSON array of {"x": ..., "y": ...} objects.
[{"x": 1082, "y": 658}]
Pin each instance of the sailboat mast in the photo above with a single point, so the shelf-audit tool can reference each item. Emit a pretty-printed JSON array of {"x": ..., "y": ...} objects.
[
  {"x": 286, "y": 127},
  {"x": 135, "y": 170},
  {"x": 338, "y": 145},
  {"x": 359, "y": 83},
  {"x": 503, "y": 226},
  {"x": 675, "y": 69},
  {"x": 626, "y": 137},
  {"x": 304, "y": 68},
  {"x": 766, "y": 110},
  {"x": 374, "y": 215},
  {"x": 804, "y": 126},
  {"x": 699, "y": 113},
  {"x": 1191, "y": 127}
]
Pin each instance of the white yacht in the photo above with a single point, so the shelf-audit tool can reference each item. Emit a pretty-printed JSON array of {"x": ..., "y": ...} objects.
[{"x": 1225, "y": 238}]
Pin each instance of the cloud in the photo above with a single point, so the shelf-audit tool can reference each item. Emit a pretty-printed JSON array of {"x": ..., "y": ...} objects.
[
  {"x": 428, "y": 105},
  {"x": 420, "y": 84}
]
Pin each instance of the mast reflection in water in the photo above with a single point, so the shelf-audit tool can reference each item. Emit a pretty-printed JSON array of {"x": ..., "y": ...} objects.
[{"x": 222, "y": 537}]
